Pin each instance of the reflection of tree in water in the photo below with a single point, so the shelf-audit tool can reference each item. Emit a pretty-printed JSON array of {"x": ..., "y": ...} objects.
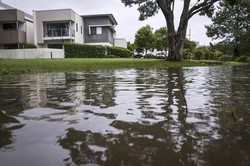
[
  {"x": 171, "y": 141},
  {"x": 6, "y": 137},
  {"x": 230, "y": 93}
]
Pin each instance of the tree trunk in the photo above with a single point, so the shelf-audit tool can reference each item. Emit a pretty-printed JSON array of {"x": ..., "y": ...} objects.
[{"x": 176, "y": 39}]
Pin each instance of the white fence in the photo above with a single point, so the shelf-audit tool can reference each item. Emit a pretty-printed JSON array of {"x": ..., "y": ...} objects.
[{"x": 40, "y": 53}]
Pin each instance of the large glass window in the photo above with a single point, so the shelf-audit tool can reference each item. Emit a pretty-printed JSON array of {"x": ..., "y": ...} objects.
[
  {"x": 57, "y": 29},
  {"x": 9, "y": 27}
]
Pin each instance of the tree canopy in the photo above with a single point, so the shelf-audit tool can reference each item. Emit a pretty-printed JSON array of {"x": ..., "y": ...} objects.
[
  {"x": 176, "y": 37},
  {"x": 144, "y": 39},
  {"x": 161, "y": 39},
  {"x": 231, "y": 23}
]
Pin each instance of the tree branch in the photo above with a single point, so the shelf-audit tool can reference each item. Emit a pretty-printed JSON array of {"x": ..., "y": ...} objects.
[{"x": 201, "y": 7}]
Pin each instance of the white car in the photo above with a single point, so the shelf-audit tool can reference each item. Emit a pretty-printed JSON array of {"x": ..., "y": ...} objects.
[{"x": 160, "y": 55}]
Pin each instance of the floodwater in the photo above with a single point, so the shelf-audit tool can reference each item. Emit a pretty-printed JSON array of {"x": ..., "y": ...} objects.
[{"x": 130, "y": 117}]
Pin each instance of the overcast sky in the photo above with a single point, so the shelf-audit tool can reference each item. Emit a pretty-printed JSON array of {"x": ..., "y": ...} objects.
[{"x": 126, "y": 17}]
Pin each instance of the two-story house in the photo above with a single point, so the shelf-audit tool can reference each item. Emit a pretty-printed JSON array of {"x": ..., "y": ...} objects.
[
  {"x": 15, "y": 27},
  {"x": 52, "y": 27},
  {"x": 99, "y": 29}
]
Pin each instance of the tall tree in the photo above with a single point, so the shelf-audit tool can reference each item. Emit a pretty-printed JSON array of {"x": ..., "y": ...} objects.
[
  {"x": 161, "y": 39},
  {"x": 176, "y": 38},
  {"x": 231, "y": 23},
  {"x": 144, "y": 39}
]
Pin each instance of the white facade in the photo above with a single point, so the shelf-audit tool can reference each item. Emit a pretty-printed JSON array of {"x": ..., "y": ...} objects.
[{"x": 120, "y": 42}]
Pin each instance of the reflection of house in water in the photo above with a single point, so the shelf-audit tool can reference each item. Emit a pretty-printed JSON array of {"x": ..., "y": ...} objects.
[
  {"x": 75, "y": 85},
  {"x": 40, "y": 89},
  {"x": 91, "y": 88}
]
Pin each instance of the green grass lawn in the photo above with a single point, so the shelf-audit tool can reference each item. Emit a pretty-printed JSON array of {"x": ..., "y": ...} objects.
[{"x": 15, "y": 67}]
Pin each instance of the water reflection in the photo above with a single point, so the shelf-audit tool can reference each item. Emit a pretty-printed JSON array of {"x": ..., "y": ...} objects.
[
  {"x": 172, "y": 116},
  {"x": 7, "y": 125}
]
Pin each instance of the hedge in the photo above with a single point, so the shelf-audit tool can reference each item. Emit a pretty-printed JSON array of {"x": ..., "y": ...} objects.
[
  {"x": 73, "y": 50},
  {"x": 119, "y": 52},
  {"x": 26, "y": 45},
  {"x": 245, "y": 59}
]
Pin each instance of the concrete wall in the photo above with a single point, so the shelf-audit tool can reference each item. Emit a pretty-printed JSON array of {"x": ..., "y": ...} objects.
[
  {"x": 79, "y": 33},
  {"x": 11, "y": 15},
  {"x": 31, "y": 54},
  {"x": 120, "y": 42},
  {"x": 29, "y": 31},
  {"x": 12, "y": 37}
]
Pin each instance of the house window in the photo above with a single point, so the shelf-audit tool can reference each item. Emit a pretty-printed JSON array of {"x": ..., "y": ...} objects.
[
  {"x": 96, "y": 30},
  {"x": 10, "y": 46},
  {"x": 9, "y": 27},
  {"x": 76, "y": 27},
  {"x": 56, "y": 46}
]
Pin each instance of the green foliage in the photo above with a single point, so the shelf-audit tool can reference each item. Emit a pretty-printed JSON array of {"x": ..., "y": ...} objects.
[
  {"x": 245, "y": 59},
  {"x": 119, "y": 52},
  {"x": 204, "y": 53},
  {"x": 144, "y": 39},
  {"x": 225, "y": 58},
  {"x": 225, "y": 48},
  {"x": 149, "y": 56},
  {"x": 26, "y": 45},
  {"x": 111, "y": 56},
  {"x": 161, "y": 39},
  {"x": 231, "y": 24},
  {"x": 189, "y": 44},
  {"x": 130, "y": 46},
  {"x": 29, "y": 66},
  {"x": 73, "y": 50},
  {"x": 189, "y": 49}
]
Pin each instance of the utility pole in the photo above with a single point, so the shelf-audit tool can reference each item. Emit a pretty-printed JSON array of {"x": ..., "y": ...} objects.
[{"x": 189, "y": 35}]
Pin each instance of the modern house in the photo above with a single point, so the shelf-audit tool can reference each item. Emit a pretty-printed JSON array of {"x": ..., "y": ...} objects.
[
  {"x": 99, "y": 29},
  {"x": 52, "y": 27},
  {"x": 15, "y": 27}
]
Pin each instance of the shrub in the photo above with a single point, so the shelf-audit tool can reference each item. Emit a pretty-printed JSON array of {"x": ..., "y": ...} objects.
[
  {"x": 243, "y": 59},
  {"x": 188, "y": 54},
  {"x": 73, "y": 50},
  {"x": 26, "y": 45},
  {"x": 111, "y": 56},
  {"x": 149, "y": 56},
  {"x": 198, "y": 54},
  {"x": 226, "y": 58},
  {"x": 119, "y": 52}
]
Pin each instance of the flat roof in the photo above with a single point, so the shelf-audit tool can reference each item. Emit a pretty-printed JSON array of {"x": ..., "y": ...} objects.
[
  {"x": 111, "y": 17},
  {"x": 26, "y": 15}
]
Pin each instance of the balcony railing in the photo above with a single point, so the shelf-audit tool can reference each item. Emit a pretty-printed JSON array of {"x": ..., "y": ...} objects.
[{"x": 59, "y": 32}]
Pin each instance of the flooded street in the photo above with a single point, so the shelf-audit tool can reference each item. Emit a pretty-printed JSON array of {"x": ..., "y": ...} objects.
[{"x": 130, "y": 117}]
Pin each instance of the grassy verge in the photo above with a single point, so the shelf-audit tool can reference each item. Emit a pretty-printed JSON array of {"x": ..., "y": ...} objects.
[{"x": 15, "y": 67}]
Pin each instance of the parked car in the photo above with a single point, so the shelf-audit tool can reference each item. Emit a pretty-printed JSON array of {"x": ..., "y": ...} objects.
[
  {"x": 137, "y": 55},
  {"x": 160, "y": 55},
  {"x": 149, "y": 56}
]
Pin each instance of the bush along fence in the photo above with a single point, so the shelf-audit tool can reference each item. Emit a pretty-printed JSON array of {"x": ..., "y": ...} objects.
[{"x": 73, "y": 50}]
